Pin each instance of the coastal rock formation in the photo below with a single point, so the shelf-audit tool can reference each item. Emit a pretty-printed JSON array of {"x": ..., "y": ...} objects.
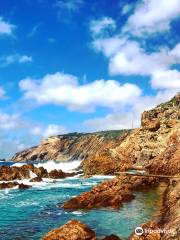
[
  {"x": 168, "y": 226},
  {"x": 156, "y": 144},
  {"x": 5, "y": 185},
  {"x": 94, "y": 149},
  {"x": 148, "y": 231},
  {"x": 73, "y": 230},
  {"x": 55, "y": 174},
  {"x": 111, "y": 193},
  {"x": 170, "y": 218},
  {"x": 9, "y": 173}
]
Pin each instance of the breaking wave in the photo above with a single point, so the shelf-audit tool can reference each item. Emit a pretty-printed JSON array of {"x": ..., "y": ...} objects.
[{"x": 69, "y": 166}]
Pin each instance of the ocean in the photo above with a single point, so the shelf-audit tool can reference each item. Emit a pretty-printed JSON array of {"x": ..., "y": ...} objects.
[{"x": 31, "y": 213}]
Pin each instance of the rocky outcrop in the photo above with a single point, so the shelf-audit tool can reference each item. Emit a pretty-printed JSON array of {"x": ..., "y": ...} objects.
[
  {"x": 55, "y": 174},
  {"x": 170, "y": 218},
  {"x": 6, "y": 185},
  {"x": 73, "y": 230},
  {"x": 150, "y": 230},
  {"x": 155, "y": 145},
  {"x": 111, "y": 193},
  {"x": 94, "y": 149},
  {"x": 168, "y": 226},
  {"x": 8, "y": 173},
  {"x": 112, "y": 151}
]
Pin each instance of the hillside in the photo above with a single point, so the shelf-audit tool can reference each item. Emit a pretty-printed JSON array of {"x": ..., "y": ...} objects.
[{"x": 155, "y": 145}]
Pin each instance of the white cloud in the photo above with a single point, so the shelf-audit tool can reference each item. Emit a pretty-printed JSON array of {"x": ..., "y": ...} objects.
[
  {"x": 5, "y": 27},
  {"x": 25, "y": 58},
  {"x": 127, "y": 57},
  {"x": 102, "y": 26},
  {"x": 64, "y": 89},
  {"x": 169, "y": 79},
  {"x": 50, "y": 130},
  {"x": 15, "y": 58},
  {"x": 152, "y": 16},
  {"x": 8, "y": 122},
  {"x": 131, "y": 118}
]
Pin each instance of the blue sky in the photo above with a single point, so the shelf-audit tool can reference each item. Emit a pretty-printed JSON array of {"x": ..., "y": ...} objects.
[{"x": 81, "y": 65}]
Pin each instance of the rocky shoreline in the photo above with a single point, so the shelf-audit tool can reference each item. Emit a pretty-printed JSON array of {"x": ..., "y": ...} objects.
[{"x": 154, "y": 147}]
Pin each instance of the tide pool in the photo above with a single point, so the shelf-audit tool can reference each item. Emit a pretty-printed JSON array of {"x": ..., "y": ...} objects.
[{"x": 30, "y": 214}]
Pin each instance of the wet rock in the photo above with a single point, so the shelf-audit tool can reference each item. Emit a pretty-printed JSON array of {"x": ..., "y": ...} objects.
[
  {"x": 111, "y": 193},
  {"x": 40, "y": 172},
  {"x": 73, "y": 230},
  {"x": 5, "y": 185},
  {"x": 8, "y": 173},
  {"x": 55, "y": 174},
  {"x": 23, "y": 186},
  {"x": 36, "y": 179}
]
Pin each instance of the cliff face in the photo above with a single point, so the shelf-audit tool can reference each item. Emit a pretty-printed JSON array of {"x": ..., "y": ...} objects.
[
  {"x": 155, "y": 145},
  {"x": 93, "y": 149}
]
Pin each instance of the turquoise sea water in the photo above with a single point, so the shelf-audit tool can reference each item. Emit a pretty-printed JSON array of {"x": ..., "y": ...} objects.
[{"x": 29, "y": 214}]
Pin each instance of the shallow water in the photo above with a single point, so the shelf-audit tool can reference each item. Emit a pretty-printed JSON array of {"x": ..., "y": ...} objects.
[{"x": 31, "y": 213}]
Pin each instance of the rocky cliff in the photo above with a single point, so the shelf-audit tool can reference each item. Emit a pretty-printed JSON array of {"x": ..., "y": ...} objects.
[
  {"x": 155, "y": 145},
  {"x": 94, "y": 149}
]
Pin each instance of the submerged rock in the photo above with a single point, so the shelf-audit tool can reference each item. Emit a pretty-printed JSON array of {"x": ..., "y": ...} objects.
[{"x": 72, "y": 230}]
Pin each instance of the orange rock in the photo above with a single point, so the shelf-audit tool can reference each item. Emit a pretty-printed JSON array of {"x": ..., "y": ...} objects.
[{"x": 73, "y": 230}]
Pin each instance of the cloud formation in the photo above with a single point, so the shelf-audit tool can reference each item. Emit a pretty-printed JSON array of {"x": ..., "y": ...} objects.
[
  {"x": 14, "y": 58},
  {"x": 102, "y": 26},
  {"x": 152, "y": 16},
  {"x": 64, "y": 89},
  {"x": 6, "y": 28}
]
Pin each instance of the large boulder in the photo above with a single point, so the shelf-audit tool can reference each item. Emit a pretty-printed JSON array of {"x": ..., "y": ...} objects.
[
  {"x": 8, "y": 173},
  {"x": 73, "y": 230}
]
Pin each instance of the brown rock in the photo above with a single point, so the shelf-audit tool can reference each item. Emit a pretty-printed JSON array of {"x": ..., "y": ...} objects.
[
  {"x": 36, "y": 179},
  {"x": 111, "y": 193},
  {"x": 149, "y": 232},
  {"x": 73, "y": 230},
  {"x": 23, "y": 186},
  {"x": 5, "y": 185},
  {"x": 55, "y": 174},
  {"x": 41, "y": 172}
]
